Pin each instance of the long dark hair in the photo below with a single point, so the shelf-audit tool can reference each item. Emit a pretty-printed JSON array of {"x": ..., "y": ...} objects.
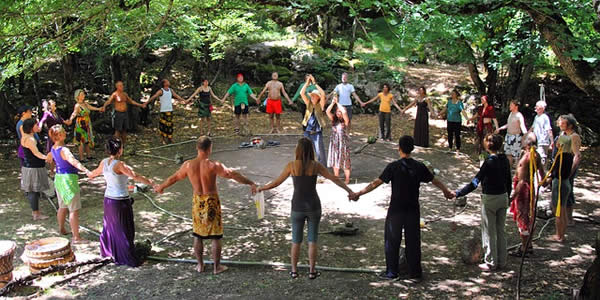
[
  {"x": 335, "y": 120},
  {"x": 305, "y": 153}
]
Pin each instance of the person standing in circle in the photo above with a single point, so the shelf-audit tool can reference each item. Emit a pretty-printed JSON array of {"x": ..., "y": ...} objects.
[
  {"x": 454, "y": 108},
  {"x": 344, "y": 90},
  {"x": 274, "y": 108},
  {"x": 166, "y": 95},
  {"x": 118, "y": 230},
  {"x": 241, "y": 91},
  {"x": 84, "y": 134},
  {"x": 306, "y": 204},
  {"x": 314, "y": 119},
  {"x": 205, "y": 108},
  {"x": 50, "y": 118},
  {"x": 121, "y": 116},
  {"x": 421, "y": 130},
  {"x": 339, "y": 143},
  {"x": 385, "y": 111},
  {"x": 486, "y": 116},
  {"x": 34, "y": 178}
]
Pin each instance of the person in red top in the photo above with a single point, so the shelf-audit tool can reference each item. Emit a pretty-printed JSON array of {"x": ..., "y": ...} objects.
[{"x": 486, "y": 115}]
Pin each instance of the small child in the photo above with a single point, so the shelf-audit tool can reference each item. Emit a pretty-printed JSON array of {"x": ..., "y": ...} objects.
[
  {"x": 66, "y": 182},
  {"x": 385, "y": 111}
]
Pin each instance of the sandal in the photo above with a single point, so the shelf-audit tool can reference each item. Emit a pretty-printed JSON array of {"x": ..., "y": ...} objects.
[
  {"x": 293, "y": 274},
  {"x": 314, "y": 275}
]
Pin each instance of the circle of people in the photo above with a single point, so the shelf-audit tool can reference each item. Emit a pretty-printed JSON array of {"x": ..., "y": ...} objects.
[{"x": 499, "y": 191}]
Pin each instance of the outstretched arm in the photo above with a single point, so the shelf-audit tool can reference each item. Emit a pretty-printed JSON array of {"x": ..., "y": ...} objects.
[
  {"x": 447, "y": 193},
  {"x": 355, "y": 95},
  {"x": 153, "y": 98},
  {"x": 396, "y": 104},
  {"x": 132, "y": 102},
  {"x": 212, "y": 94},
  {"x": 177, "y": 96},
  {"x": 279, "y": 180},
  {"x": 177, "y": 176},
  {"x": 124, "y": 169},
  {"x": 370, "y": 100},
  {"x": 325, "y": 173},
  {"x": 409, "y": 106},
  {"x": 225, "y": 172},
  {"x": 108, "y": 102},
  {"x": 97, "y": 171},
  {"x": 66, "y": 154},
  {"x": 373, "y": 185},
  {"x": 261, "y": 93},
  {"x": 31, "y": 144}
]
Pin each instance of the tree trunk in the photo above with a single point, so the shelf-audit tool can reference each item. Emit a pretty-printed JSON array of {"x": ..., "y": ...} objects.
[
  {"x": 164, "y": 72},
  {"x": 197, "y": 74},
  {"x": 115, "y": 69},
  {"x": 524, "y": 84},
  {"x": 353, "y": 39},
  {"x": 36, "y": 86},
  {"x": 68, "y": 75},
  {"x": 474, "y": 73},
  {"x": 133, "y": 69}
]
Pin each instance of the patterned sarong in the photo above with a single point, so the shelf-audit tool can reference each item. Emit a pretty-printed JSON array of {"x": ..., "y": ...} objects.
[{"x": 206, "y": 214}]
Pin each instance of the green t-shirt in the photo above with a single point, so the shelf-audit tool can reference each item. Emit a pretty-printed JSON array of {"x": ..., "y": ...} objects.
[
  {"x": 240, "y": 92},
  {"x": 309, "y": 88}
]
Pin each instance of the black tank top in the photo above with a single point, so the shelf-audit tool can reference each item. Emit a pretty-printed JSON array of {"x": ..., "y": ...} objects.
[
  {"x": 305, "y": 197},
  {"x": 32, "y": 161},
  {"x": 204, "y": 97}
]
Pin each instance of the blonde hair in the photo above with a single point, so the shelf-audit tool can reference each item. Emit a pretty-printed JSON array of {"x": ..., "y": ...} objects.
[
  {"x": 76, "y": 94},
  {"x": 55, "y": 131}
]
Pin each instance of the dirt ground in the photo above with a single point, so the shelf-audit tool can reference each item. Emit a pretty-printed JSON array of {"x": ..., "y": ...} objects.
[{"x": 249, "y": 239}]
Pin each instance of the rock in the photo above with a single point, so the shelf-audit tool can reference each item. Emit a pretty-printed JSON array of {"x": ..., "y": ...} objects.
[{"x": 471, "y": 251}]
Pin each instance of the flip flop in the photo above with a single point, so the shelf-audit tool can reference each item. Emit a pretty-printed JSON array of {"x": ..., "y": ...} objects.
[
  {"x": 293, "y": 275},
  {"x": 314, "y": 275}
]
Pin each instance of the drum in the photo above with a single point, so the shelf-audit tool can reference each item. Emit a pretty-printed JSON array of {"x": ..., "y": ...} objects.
[
  {"x": 47, "y": 252},
  {"x": 7, "y": 254}
]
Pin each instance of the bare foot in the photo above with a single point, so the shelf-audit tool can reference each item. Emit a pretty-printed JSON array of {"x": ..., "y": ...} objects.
[
  {"x": 220, "y": 269},
  {"x": 347, "y": 181},
  {"x": 272, "y": 131},
  {"x": 200, "y": 267},
  {"x": 40, "y": 217},
  {"x": 556, "y": 238},
  {"x": 63, "y": 231},
  {"x": 79, "y": 241}
]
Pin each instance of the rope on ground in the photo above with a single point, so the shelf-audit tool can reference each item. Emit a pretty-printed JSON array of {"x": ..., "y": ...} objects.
[
  {"x": 27, "y": 280},
  {"x": 88, "y": 230},
  {"x": 266, "y": 264}
]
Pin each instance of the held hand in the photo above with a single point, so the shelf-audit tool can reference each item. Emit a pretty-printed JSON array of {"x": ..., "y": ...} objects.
[
  {"x": 449, "y": 194},
  {"x": 90, "y": 175},
  {"x": 102, "y": 109},
  {"x": 363, "y": 104},
  {"x": 497, "y": 131},
  {"x": 253, "y": 189},
  {"x": 158, "y": 189}
]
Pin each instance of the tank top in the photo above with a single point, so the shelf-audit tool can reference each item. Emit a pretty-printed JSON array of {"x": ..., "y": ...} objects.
[
  {"x": 32, "y": 161},
  {"x": 567, "y": 160},
  {"x": 204, "y": 97},
  {"x": 62, "y": 166},
  {"x": 166, "y": 100},
  {"x": 116, "y": 184},
  {"x": 305, "y": 198}
]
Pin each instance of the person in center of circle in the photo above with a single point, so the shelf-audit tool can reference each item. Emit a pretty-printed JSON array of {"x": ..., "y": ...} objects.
[
  {"x": 314, "y": 119},
  {"x": 306, "y": 205},
  {"x": 385, "y": 111},
  {"x": 339, "y": 143}
]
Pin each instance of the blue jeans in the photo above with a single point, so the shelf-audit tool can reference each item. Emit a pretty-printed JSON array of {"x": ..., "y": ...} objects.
[{"x": 313, "y": 218}]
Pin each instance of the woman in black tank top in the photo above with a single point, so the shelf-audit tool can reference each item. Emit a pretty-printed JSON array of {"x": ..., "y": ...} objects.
[
  {"x": 204, "y": 106},
  {"x": 306, "y": 205},
  {"x": 34, "y": 177}
]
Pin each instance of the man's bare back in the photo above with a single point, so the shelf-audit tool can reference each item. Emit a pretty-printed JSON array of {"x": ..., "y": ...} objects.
[
  {"x": 523, "y": 168},
  {"x": 202, "y": 174},
  {"x": 274, "y": 87}
]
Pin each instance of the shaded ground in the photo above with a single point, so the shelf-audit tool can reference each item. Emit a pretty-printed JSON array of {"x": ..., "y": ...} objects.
[{"x": 445, "y": 275}]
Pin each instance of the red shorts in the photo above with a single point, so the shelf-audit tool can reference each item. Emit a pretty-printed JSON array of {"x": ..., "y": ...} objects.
[{"x": 274, "y": 106}]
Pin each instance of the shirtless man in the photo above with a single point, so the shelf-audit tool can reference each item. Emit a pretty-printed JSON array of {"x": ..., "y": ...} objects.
[
  {"x": 121, "y": 118},
  {"x": 275, "y": 88},
  {"x": 515, "y": 126},
  {"x": 520, "y": 199},
  {"x": 206, "y": 210}
]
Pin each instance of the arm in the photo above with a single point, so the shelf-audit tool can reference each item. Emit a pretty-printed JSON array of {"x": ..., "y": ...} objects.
[
  {"x": 373, "y": 185},
  {"x": 328, "y": 111},
  {"x": 370, "y": 100},
  {"x": 97, "y": 171},
  {"x": 261, "y": 93},
  {"x": 522, "y": 124},
  {"x": 409, "y": 106},
  {"x": 303, "y": 92},
  {"x": 286, "y": 95},
  {"x": 177, "y": 176},
  {"x": 225, "y": 97},
  {"x": 153, "y": 98},
  {"x": 66, "y": 154},
  {"x": 124, "y": 169},
  {"x": 344, "y": 115},
  {"x": 132, "y": 102},
  {"x": 177, "y": 96},
  {"x": 495, "y": 120},
  {"x": 471, "y": 186},
  {"x": 31, "y": 144},
  {"x": 108, "y": 102},
  {"x": 575, "y": 145},
  {"x": 322, "y": 96},
  {"x": 355, "y": 96},
  {"x": 396, "y": 104},
  {"x": 212, "y": 94},
  {"x": 91, "y": 107},
  {"x": 323, "y": 172},
  {"x": 44, "y": 117},
  {"x": 430, "y": 106},
  {"x": 196, "y": 93},
  {"x": 75, "y": 112},
  {"x": 275, "y": 183},
  {"x": 225, "y": 172},
  {"x": 447, "y": 193}
]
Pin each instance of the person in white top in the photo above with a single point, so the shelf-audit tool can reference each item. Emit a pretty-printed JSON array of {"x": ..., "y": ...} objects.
[
  {"x": 515, "y": 127},
  {"x": 542, "y": 129},
  {"x": 344, "y": 90},
  {"x": 166, "y": 95}
]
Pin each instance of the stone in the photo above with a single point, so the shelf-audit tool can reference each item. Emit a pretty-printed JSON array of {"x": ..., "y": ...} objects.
[{"x": 470, "y": 250}]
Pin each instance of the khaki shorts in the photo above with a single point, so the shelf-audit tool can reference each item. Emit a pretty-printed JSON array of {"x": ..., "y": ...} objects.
[{"x": 74, "y": 205}]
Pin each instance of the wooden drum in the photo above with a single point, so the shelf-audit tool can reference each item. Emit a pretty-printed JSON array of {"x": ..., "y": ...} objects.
[
  {"x": 7, "y": 254},
  {"x": 47, "y": 252}
]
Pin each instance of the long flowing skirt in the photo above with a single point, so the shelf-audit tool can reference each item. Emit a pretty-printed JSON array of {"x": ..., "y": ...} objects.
[
  {"x": 118, "y": 232},
  {"x": 421, "y": 132}
]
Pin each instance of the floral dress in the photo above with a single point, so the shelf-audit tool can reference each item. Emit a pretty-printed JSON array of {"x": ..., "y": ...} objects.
[
  {"x": 339, "y": 148},
  {"x": 83, "y": 128}
]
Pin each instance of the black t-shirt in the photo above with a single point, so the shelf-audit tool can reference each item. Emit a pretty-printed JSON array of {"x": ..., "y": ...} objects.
[{"x": 406, "y": 176}]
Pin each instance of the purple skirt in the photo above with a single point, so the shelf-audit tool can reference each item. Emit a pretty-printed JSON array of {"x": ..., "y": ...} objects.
[{"x": 117, "y": 236}]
